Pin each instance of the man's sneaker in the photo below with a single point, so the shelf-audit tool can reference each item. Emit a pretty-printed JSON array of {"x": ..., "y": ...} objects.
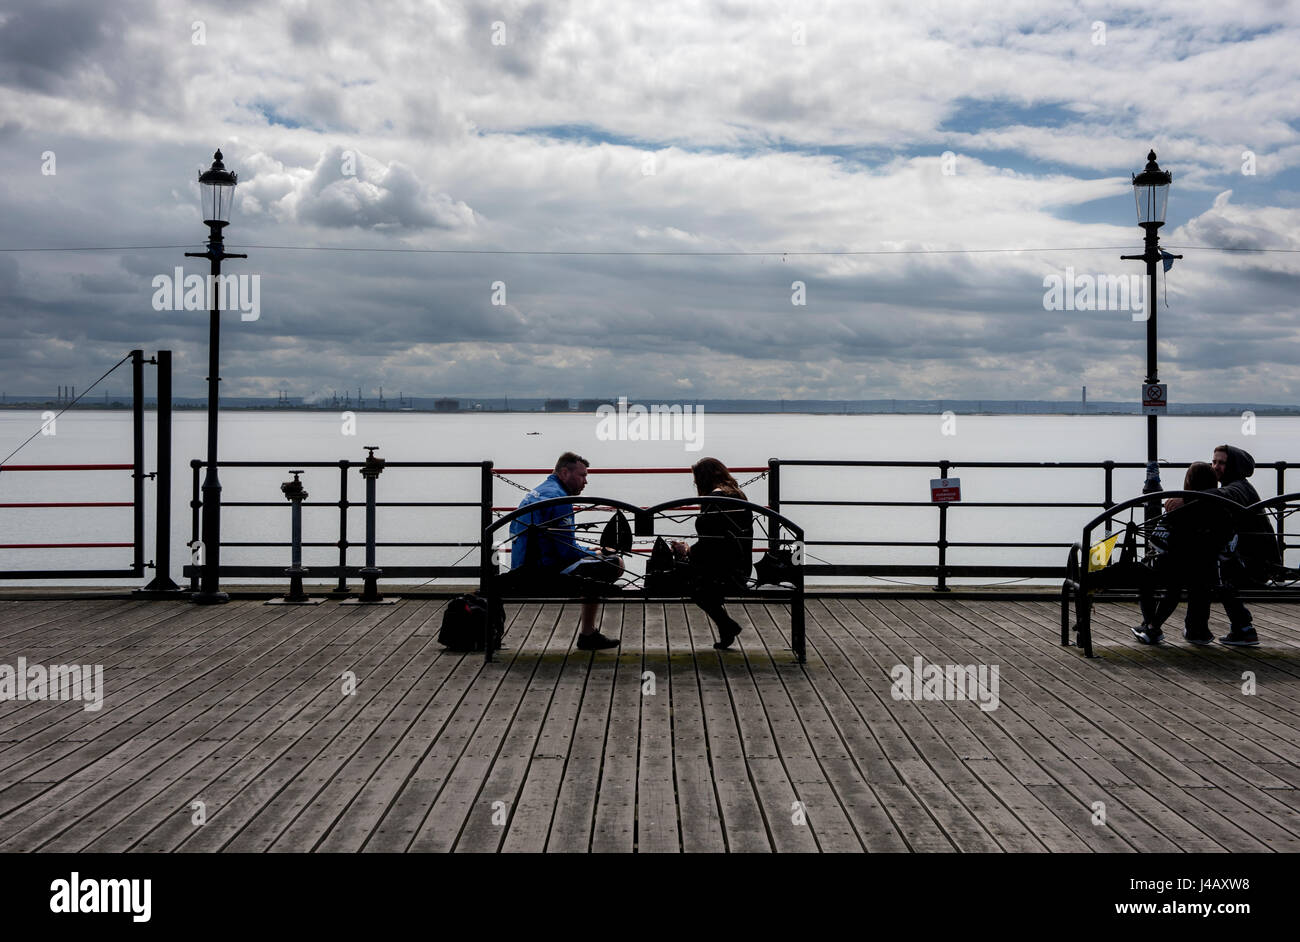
[
  {"x": 1241, "y": 637},
  {"x": 1148, "y": 635},
  {"x": 1199, "y": 637},
  {"x": 596, "y": 642}
]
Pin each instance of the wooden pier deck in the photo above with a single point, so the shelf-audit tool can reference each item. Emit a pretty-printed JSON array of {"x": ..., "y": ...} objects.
[{"x": 242, "y": 707}]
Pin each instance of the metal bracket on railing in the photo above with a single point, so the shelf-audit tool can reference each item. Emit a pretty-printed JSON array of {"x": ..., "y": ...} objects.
[
  {"x": 295, "y": 493},
  {"x": 370, "y": 470}
]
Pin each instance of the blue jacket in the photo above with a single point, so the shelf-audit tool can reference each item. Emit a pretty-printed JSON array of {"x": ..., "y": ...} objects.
[{"x": 552, "y": 545}]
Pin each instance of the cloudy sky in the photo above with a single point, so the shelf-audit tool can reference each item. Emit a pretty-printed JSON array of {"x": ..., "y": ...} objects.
[{"x": 643, "y": 184}]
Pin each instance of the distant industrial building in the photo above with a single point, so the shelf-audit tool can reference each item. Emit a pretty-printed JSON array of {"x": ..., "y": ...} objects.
[
  {"x": 446, "y": 405},
  {"x": 591, "y": 405},
  {"x": 557, "y": 405}
]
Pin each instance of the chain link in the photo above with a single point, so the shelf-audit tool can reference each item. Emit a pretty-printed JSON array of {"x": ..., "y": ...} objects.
[{"x": 526, "y": 490}]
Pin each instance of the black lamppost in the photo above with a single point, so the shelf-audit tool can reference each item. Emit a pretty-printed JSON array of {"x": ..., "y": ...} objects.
[
  {"x": 217, "y": 189},
  {"x": 1151, "y": 190}
]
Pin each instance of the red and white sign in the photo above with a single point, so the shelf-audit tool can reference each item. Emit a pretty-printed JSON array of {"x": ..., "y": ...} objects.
[
  {"x": 1155, "y": 398},
  {"x": 945, "y": 490}
]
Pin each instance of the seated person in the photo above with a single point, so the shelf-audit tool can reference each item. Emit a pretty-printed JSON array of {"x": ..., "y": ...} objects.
[
  {"x": 1257, "y": 548},
  {"x": 545, "y": 552},
  {"x": 721, "y": 559},
  {"x": 1196, "y": 533}
]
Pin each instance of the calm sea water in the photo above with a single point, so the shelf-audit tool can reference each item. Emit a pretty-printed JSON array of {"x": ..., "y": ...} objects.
[{"x": 535, "y": 440}]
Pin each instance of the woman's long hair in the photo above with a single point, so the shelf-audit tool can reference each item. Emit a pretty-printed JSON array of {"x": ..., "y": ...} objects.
[
  {"x": 712, "y": 475},
  {"x": 1200, "y": 477}
]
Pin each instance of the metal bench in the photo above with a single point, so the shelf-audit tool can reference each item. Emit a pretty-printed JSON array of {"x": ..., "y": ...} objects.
[
  {"x": 1086, "y": 577},
  {"x": 781, "y": 532}
]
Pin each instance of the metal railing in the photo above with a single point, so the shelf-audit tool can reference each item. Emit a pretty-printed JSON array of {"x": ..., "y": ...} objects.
[
  {"x": 136, "y": 503},
  {"x": 779, "y": 499},
  {"x": 343, "y": 571},
  {"x": 941, "y": 571}
]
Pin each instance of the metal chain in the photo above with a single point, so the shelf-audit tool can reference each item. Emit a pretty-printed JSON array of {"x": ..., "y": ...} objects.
[{"x": 526, "y": 490}]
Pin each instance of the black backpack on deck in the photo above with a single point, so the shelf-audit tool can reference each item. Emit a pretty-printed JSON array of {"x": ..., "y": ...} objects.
[{"x": 464, "y": 624}]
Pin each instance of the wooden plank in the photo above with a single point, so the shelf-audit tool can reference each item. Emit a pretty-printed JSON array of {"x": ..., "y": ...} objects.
[
  {"x": 1140, "y": 817},
  {"x": 413, "y": 807},
  {"x": 657, "y": 830},
  {"x": 902, "y": 734},
  {"x": 802, "y": 814},
  {"x": 272, "y": 761},
  {"x": 459, "y": 798},
  {"x": 614, "y": 826},
  {"x": 575, "y": 810},
  {"x": 843, "y": 694},
  {"x": 530, "y": 824},
  {"x": 1114, "y": 689},
  {"x": 448, "y": 681},
  {"x": 164, "y": 734},
  {"x": 223, "y": 766},
  {"x": 298, "y": 815},
  {"x": 837, "y": 778},
  {"x": 697, "y": 800},
  {"x": 486, "y": 828},
  {"x": 341, "y": 733},
  {"x": 128, "y": 627},
  {"x": 743, "y": 822},
  {"x": 941, "y": 738},
  {"x": 124, "y": 751}
]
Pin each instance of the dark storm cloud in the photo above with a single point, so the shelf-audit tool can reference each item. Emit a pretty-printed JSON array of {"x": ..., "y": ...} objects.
[
  {"x": 47, "y": 46},
  {"x": 754, "y": 144}
]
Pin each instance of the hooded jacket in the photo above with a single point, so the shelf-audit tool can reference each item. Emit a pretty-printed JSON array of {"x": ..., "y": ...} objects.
[
  {"x": 1258, "y": 542},
  {"x": 1234, "y": 486}
]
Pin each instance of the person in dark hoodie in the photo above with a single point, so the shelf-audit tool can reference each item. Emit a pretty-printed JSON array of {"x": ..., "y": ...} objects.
[
  {"x": 1257, "y": 543},
  {"x": 1195, "y": 531}
]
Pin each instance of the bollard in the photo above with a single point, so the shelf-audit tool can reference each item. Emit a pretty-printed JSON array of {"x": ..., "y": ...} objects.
[
  {"x": 370, "y": 574},
  {"x": 295, "y": 493}
]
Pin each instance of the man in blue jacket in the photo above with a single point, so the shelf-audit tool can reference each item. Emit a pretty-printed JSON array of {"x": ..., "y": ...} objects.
[{"x": 544, "y": 543}]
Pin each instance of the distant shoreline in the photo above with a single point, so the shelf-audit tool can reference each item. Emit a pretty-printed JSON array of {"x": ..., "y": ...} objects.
[{"x": 1191, "y": 410}]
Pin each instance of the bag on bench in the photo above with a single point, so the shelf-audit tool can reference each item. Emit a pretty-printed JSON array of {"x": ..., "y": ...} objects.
[
  {"x": 665, "y": 574},
  {"x": 464, "y": 624}
]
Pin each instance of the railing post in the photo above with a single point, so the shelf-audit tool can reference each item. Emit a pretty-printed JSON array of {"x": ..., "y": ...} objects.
[
  {"x": 942, "y": 585},
  {"x": 773, "y": 498},
  {"x": 797, "y": 629},
  {"x": 1109, "y": 500},
  {"x": 137, "y": 458},
  {"x": 370, "y": 470},
  {"x": 195, "y": 544},
  {"x": 162, "y": 540},
  {"x": 342, "y": 587},
  {"x": 1281, "y": 517},
  {"x": 484, "y": 521},
  {"x": 295, "y": 493}
]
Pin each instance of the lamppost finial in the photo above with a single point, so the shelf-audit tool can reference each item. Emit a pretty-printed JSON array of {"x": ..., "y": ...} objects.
[{"x": 1151, "y": 161}]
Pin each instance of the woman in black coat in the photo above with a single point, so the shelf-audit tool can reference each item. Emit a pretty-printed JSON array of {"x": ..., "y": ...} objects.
[{"x": 720, "y": 560}]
